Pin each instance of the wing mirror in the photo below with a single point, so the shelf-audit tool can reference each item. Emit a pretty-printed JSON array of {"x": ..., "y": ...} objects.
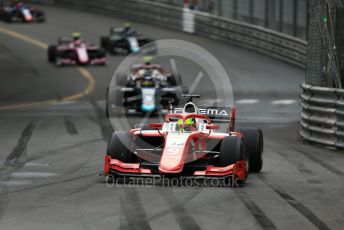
[{"x": 212, "y": 126}]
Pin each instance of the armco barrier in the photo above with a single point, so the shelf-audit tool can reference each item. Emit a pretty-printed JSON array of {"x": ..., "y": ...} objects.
[
  {"x": 286, "y": 48},
  {"x": 322, "y": 116},
  {"x": 274, "y": 44}
]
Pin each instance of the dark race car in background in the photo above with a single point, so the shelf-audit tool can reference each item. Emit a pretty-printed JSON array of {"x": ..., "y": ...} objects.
[
  {"x": 146, "y": 89},
  {"x": 21, "y": 12},
  {"x": 75, "y": 51},
  {"x": 193, "y": 149},
  {"x": 124, "y": 40}
]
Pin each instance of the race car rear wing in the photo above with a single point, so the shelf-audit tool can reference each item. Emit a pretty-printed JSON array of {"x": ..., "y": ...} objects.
[{"x": 216, "y": 114}]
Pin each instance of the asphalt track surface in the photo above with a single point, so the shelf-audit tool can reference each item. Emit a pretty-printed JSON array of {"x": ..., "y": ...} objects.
[{"x": 52, "y": 152}]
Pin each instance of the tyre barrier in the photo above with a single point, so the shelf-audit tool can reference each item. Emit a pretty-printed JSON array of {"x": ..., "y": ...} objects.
[
  {"x": 322, "y": 115},
  {"x": 277, "y": 45}
]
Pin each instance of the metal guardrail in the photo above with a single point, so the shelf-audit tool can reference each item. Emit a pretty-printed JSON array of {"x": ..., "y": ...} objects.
[
  {"x": 277, "y": 45},
  {"x": 322, "y": 116}
]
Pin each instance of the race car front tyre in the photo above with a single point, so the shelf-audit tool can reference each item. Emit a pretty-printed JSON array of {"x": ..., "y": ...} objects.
[
  {"x": 118, "y": 147},
  {"x": 255, "y": 144},
  {"x": 232, "y": 150},
  {"x": 52, "y": 50}
]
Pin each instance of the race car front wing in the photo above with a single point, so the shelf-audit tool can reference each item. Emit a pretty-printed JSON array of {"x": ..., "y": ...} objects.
[{"x": 114, "y": 166}]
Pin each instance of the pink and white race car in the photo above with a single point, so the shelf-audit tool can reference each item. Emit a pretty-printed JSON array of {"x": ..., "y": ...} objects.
[{"x": 75, "y": 51}]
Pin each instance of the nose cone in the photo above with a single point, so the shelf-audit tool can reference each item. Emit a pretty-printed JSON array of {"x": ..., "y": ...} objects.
[
  {"x": 171, "y": 164},
  {"x": 173, "y": 157},
  {"x": 82, "y": 55}
]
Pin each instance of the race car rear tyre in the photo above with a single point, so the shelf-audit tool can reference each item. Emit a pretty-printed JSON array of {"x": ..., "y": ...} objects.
[
  {"x": 118, "y": 147},
  {"x": 232, "y": 150},
  {"x": 8, "y": 18},
  {"x": 174, "y": 80},
  {"x": 52, "y": 50},
  {"x": 39, "y": 16},
  {"x": 101, "y": 53},
  {"x": 104, "y": 42},
  {"x": 255, "y": 144}
]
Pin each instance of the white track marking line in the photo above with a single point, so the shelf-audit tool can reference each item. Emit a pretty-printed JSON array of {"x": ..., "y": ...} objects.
[
  {"x": 15, "y": 182},
  {"x": 36, "y": 164},
  {"x": 247, "y": 101},
  {"x": 283, "y": 102},
  {"x": 33, "y": 174}
]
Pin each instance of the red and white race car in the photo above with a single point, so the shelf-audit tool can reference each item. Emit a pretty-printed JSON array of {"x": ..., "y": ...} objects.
[
  {"x": 187, "y": 144},
  {"x": 75, "y": 51}
]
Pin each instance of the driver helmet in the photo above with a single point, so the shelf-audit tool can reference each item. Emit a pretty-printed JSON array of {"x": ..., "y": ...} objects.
[
  {"x": 127, "y": 26},
  {"x": 147, "y": 74},
  {"x": 17, "y": 3},
  {"x": 147, "y": 59},
  {"x": 189, "y": 124},
  {"x": 76, "y": 36}
]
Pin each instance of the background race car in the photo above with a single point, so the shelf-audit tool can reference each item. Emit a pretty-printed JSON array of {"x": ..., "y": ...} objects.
[
  {"x": 146, "y": 89},
  {"x": 124, "y": 40},
  {"x": 21, "y": 12},
  {"x": 187, "y": 144},
  {"x": 74, "y": 51}
]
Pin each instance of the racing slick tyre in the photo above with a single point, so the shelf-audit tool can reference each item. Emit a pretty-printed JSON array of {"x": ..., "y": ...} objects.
[
  {"x": 7, "y": 17},
  {"x": 255, "y": 145},
  {"x": 39, "y": 16},
  {"x": 52, "y": 50},
  {"x": 101, "y": 53},
  {"x": 232, "y": 150},
  {"x": 118, "y": 147},
  {"x": 174, "y": 80},
  {"x": 104, "y": 42}
]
